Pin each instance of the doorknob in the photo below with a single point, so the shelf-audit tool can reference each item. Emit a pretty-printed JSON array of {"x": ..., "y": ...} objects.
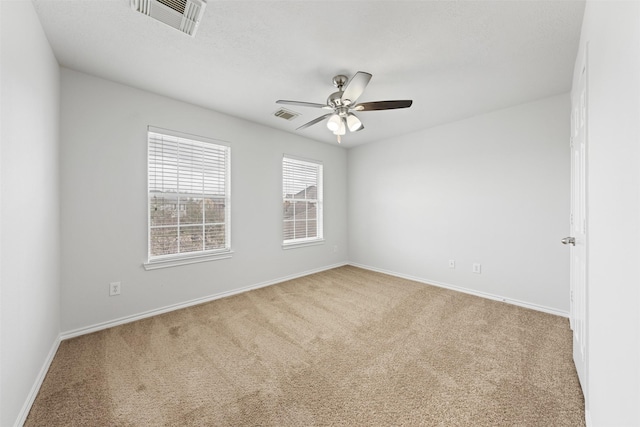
[{"x": 569, "y": 241}]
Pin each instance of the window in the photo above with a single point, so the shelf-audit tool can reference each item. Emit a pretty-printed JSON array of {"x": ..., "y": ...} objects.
[
  {"x": 188, "y": 192},
  {"x": 302, "y": 201}
]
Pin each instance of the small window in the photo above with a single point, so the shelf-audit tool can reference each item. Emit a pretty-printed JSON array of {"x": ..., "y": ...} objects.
[
  {"x": 302, "y": 201},
  {"x": 188, "y": 192}
]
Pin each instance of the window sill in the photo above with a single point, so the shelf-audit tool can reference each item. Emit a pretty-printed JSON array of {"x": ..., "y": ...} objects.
[
  {"x": 302, "y": 244},
  {"x": 175, "y": 262}
]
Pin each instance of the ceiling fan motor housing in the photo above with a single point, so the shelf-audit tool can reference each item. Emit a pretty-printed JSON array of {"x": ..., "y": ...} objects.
[{"x": 335, "y": 99}]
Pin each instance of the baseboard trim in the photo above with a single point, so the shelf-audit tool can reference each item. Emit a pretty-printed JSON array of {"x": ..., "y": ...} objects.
[
  {"x": 128, "y": 319},
  {"x": 24, "y": 413},
  {"x": 466, "y": 290}
]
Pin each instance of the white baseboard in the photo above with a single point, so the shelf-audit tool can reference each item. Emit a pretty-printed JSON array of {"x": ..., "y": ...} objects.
[
  {"x": 105, "y": 325},
  {"x": 22, "y": 416},
  {"x": 128, "y": 319},
  {"x": 467, "y": 291}
]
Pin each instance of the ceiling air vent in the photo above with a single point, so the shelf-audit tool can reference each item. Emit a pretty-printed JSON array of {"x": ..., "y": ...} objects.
[
  {"x": 286, "y": 114},
  {"x": 183, "y": 15}
]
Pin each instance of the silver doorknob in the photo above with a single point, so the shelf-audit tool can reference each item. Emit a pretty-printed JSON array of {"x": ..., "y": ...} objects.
[{"x": 569, "y": 241}]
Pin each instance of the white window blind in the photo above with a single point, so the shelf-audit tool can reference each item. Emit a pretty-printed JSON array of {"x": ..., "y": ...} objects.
[
  {"x": 189, "y": 201},
  {"x": 302, "y": 201}
]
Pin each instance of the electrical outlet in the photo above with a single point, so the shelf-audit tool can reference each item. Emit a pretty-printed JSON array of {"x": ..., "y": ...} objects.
[
  {"x": 114, "y": 288},
  {"x": 477, "y": 268},
  {"x": 452, "y": 263}
]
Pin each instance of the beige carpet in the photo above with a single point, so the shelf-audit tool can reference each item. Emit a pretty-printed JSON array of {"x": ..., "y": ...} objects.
[{"x": 341, "y": 347}]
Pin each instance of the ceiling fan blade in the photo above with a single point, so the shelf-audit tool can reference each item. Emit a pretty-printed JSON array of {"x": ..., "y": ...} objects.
[
  {"x": 383, "y": 105},
  {"x": 356, "y": 86},
  {"x": 303, "y": 104},
  {"x": 314, "y": 121}
]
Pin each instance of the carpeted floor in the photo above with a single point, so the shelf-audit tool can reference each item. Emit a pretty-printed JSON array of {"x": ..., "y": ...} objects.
[{"x": 342, "y": 347}]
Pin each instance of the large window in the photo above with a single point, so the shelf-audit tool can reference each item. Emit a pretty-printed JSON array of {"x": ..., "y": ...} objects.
[
  {"x": 302, "y": 201},
  {"x": 188, "y": 193}
]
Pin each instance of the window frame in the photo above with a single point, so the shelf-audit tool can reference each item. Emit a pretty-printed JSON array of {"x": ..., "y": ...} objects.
[
  {"x": 319, "y": 200},
  {"x": 175, "y": 259}
]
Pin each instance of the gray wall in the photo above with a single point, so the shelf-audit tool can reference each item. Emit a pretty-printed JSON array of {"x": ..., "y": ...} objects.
[
  {"x": 492, "y": 189},
  {"x": 104, "y": 216},
  {"x": 29, "y": 207}
]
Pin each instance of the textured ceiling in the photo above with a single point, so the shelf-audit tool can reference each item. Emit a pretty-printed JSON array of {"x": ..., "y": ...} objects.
[{"x": 455, "y": 59}]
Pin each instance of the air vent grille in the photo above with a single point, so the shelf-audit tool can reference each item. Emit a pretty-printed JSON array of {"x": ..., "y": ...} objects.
[
  {"x": 177, "y": 5},
  {"x": 283, "y": 113},
  {"x": 183, "y": 15}
]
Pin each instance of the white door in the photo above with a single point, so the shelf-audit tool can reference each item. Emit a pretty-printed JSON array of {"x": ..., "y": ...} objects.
[{"x": 578, "y": 221}]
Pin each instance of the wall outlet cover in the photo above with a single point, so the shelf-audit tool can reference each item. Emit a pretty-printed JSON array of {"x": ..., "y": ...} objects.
[{"x": 114, "y": 288}]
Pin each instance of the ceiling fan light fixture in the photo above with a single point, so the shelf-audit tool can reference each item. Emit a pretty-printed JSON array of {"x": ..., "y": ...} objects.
[
  {"x": 353, "y": 123},
  {"x": 334, "y": 123},
  {"x": 342, "y": 128}
]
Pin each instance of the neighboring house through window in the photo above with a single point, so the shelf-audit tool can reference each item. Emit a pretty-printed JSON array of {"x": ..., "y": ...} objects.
[
  {"x": 188, "y": 196},
  {"x": 302, "y": 201}
]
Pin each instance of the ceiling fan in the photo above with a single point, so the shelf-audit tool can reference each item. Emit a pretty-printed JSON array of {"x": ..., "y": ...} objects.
[{"x": 343, "y": 102}]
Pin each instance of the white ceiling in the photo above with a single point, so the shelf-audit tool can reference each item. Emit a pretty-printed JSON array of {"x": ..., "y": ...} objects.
[{"x": 455, "y": 59}]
